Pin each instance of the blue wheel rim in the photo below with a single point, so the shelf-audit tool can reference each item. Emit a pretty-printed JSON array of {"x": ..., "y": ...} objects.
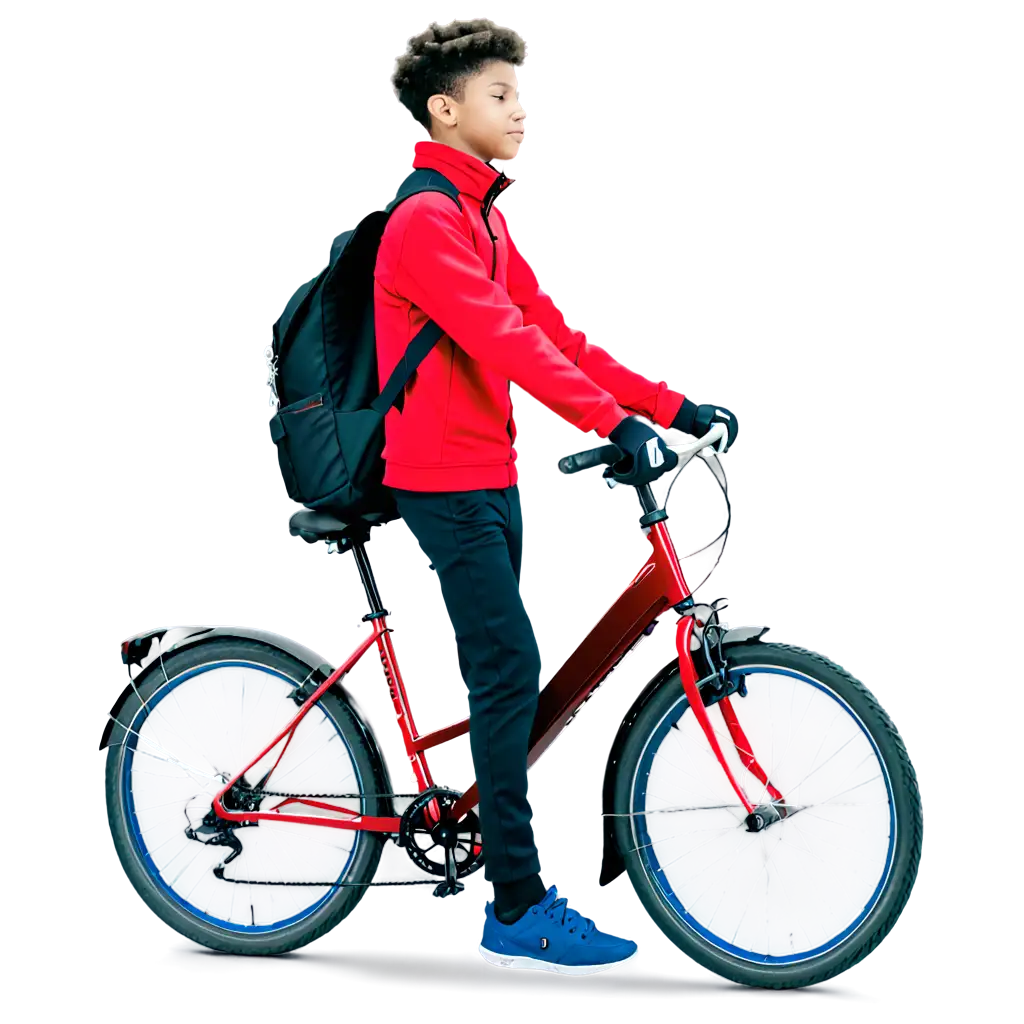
[
  {"x": 658, "y": 879},
  {"x": 130, "y": 742}
]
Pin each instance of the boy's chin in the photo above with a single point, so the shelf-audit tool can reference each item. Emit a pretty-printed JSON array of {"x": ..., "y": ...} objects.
[{"x": 509, "y": 147}]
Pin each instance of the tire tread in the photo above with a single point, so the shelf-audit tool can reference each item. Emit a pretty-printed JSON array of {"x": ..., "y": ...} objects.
[
  {"x": 262, "y": 944},
  {"x": 903, "y": 775}
]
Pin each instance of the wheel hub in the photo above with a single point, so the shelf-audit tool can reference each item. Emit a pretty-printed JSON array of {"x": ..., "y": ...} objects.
[
  {"x": 243, "y": 797},
  {"x": 764, "y": 815}
]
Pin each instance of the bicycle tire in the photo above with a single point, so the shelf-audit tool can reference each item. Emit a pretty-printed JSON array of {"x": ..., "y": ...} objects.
[
  {"x": 905, "y": 800},
  {"x": 160, "y": 677}
]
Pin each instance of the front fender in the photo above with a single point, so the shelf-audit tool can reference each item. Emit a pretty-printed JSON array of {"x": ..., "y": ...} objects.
[
  {"x": 732, "y": 630},
  {"x": 144, "y": 649},
  {"x": 612, "y": 864}
]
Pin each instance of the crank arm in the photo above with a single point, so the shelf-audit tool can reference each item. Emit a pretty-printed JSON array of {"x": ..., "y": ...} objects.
[{"x": 450, "y": 886}]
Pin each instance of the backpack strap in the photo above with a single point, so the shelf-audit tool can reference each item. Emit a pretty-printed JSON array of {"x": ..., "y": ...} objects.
[
  {"x": 423, "y": 179},
  {"x": 426, "y": 338}
]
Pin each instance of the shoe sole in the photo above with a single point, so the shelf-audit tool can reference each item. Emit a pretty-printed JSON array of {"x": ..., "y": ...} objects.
[{"x": 530, "y": 963}]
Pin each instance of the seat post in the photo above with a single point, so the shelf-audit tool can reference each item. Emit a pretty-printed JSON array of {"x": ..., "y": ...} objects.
[{"x": 369, "y": 583}]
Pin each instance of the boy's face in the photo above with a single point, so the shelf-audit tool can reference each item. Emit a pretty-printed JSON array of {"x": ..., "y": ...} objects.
[{"x": 489, "y": 123}]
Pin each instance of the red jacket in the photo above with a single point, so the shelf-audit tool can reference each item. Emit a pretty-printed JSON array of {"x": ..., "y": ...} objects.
[{"x": 461, "y": 269}]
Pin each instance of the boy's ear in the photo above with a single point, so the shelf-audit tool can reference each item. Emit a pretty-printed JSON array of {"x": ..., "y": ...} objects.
[{"x": 442, "y": 109}]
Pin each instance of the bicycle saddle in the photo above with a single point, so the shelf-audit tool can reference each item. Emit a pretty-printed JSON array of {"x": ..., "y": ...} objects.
[{"x": 314, "y": 526}]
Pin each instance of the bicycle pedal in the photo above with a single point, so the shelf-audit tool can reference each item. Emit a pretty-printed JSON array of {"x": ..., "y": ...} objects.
[{"x": 448, "y": 889}]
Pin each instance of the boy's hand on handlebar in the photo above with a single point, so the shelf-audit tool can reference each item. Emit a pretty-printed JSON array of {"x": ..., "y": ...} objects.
[
  {"x": 645, "y": 454},
  {"x": 696, "y": 420}
]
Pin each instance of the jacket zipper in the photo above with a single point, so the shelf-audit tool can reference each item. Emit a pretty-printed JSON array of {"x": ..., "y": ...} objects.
[
  {"x": 500, "y": 183},
  {"x": 492, "y": 193}
]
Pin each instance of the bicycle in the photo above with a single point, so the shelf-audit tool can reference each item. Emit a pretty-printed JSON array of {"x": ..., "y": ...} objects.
[{"x": 782, "y": 884}]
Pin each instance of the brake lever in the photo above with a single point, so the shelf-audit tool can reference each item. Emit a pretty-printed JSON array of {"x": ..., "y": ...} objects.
[{"x": 719, "y": 447}]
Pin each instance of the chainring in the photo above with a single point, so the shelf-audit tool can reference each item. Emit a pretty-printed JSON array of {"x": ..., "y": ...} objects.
[{"x": 427, "y": 839}]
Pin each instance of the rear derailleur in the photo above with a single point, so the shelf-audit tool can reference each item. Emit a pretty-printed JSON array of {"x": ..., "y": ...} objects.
[
  {"x": 433, "y": 840},
  {"x": 241, "y": 797}
]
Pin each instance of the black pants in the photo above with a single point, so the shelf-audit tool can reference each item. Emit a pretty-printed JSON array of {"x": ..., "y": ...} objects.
[{"x": 475, "y": 540}]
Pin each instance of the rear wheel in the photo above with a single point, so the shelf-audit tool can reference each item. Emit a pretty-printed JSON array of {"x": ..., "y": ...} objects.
[
  {"x": 205, "y": 711},
  {"x": 811, "y": 894}
]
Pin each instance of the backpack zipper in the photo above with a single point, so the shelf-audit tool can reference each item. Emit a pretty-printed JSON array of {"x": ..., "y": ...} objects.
[{"x": 311, "y": 404}]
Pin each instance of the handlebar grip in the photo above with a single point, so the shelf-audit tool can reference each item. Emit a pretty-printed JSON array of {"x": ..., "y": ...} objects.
[{"x": 606, "y": 455}]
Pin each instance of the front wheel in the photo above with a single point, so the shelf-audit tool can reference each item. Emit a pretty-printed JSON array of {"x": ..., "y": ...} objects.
[
  {"x": 813, "y": 893},
  {"x": 198, "y": 716}
]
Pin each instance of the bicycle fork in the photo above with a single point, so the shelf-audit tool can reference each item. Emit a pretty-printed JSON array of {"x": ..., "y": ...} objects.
[{"x": 762, "y": 815}]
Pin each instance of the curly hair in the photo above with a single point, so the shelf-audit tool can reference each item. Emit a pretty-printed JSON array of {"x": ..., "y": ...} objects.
[{"x": 444, "y": 56}]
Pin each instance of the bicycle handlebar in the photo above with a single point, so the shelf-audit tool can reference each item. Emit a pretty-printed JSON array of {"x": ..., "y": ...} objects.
[
  {"x": 607, "y": 454},
  {"x": 603, "y": 456}
]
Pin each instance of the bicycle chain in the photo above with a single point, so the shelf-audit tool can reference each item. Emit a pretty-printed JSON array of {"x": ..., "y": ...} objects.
[
  {"x": 333, "y": 796},
  {"x": 219, "y": 871}
]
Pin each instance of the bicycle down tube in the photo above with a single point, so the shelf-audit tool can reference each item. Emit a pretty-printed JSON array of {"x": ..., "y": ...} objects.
[{"x": 658, "y": 585}]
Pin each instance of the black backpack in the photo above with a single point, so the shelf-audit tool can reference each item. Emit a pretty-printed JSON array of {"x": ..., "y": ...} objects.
[{"x": 329, "y": 427}]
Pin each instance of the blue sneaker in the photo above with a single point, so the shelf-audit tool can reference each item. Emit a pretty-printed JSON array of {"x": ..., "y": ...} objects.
[{"x": 551, "y": 936}]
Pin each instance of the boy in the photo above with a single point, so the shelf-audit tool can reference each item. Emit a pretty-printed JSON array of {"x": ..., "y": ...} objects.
[{"x": 449, "y": 454}]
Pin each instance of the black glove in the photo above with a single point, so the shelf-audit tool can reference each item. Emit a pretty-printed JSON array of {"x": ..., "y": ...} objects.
[
  {"x": 645, "y": 454},
  {"x": 697, "y": 419}
]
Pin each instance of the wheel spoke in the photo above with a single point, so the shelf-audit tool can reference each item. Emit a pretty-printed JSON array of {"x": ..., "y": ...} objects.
[
  {"x": 167, "y": 757},
  {"x": 788, "y": 889},
  {"x": 818, "y": 768},
  {"x": 807, "y": 705},
  {"x": 312, "y": 753},
  {"x": 707, "y": 842},
  {"x": 676, "y": 810},
  {"x": 230, "y": 708},
  {"x": 267, "y": 827}
]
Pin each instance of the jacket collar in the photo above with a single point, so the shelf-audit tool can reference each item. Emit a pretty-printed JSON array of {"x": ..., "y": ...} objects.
[{"x": 468, "y": 173}]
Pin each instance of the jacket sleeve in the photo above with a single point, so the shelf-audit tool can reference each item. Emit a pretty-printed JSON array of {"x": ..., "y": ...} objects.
[
  {"x": 634, "y": 392},
  {"x": 439, "y": 271}
]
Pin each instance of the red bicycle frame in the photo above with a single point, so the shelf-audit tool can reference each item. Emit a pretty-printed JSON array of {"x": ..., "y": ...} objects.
[{"x": 658, "y": 585}]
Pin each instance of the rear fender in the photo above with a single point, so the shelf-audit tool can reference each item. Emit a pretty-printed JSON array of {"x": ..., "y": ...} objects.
[
  {"x": 144, "y": 651},
  {"x": 612, "y": 864}
]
